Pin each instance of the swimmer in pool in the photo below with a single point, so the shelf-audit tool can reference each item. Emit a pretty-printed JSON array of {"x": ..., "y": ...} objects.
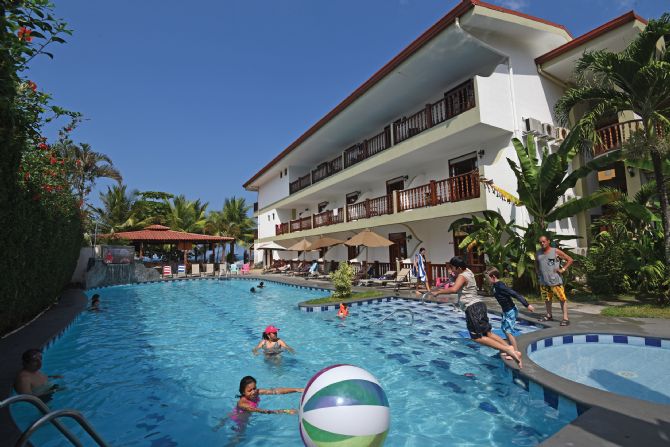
[
  {"x": 249, "y": 400},
  {"x": 260, "y": 285},
  {"x": 271, "y": 344},
  {"x": 30, "y": 380}
]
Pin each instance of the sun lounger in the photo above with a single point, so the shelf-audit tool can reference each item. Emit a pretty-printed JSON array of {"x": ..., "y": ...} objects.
[
  {"x": 381, "y": 281},
  {"x": 195, "y": 270},
  {"x": 181, "y": 271},
  {"x": 223, "y": 269},
  {"x": 401, "y": 279},
  {"x": 282, "y": 269},
  {"x": 209, "y": 269}
]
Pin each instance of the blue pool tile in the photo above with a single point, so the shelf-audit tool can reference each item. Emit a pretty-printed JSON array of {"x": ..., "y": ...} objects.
[
  {"x": 533, "y": 347},
  {"x": 620, "y": 339},
  {"x": 651, "y": 341},
  {"x": 567, "y": 339},
  {"x": 592, "y": 338},
  {"x": 551, "y": 398},
  {"x": 548, "y": 342}
]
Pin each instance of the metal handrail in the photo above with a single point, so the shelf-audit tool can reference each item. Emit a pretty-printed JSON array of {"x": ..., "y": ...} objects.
[
  {"x": 396, "y": 311},
  {"x": 51, "y": 417},
  {"x": 41, "y": 406}
]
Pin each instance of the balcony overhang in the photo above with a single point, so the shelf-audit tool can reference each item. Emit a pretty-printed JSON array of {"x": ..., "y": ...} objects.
[{"x": 613, "y": 36}]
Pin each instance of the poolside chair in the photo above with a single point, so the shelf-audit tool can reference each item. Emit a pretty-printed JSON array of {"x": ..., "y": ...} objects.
[
  {"x": 312, "y": 272},
  {"x": 223, "y": 269},
  {"x": 382, "y": 280},
  {"x": 233, "y": 269},
  {"x": 283, "y": 269},
  {"x": 181, "y": 271},
  {"x": 167, "y": 271},
  {"x": 246, "y": 269},
  {"x": 401, "y": 279},
  {"x": 209, "y": 269},
  {"x": 195, "y": 270}
]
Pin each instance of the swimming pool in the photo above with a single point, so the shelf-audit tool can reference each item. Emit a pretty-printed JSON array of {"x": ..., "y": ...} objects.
[
  {"x": 620, "y": 364},
  {"x": 161, "y": 367}
]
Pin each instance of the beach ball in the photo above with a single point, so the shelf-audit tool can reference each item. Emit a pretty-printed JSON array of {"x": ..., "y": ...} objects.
[{"x": 344, "y": 406}]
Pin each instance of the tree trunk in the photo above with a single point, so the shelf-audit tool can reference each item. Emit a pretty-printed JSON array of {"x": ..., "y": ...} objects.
[
  {"x": 232, "y": 249},
  {"x": 662, "y": 190}
]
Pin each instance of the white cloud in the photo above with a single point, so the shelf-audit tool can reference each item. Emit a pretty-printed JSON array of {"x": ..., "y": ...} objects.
[{"x": 515, "y": 5}]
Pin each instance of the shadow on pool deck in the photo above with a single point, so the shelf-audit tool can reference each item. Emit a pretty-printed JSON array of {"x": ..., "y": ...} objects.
[{"x": 612, "y": 420}]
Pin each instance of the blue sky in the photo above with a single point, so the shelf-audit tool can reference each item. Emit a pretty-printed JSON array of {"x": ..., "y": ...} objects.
[{"x": 195, "y": 97}]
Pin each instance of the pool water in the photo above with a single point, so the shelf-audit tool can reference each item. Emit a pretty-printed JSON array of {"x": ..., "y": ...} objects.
[
  {"x": 161, "y": 366},
  {"x": 631, "y": 370}
]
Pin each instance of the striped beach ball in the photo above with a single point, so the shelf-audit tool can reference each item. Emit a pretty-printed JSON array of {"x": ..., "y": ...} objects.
[{"x": 344, "y": 406}]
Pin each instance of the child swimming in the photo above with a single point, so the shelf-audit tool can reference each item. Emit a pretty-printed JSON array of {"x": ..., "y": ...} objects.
[
  {"x": 344, "y": 311},
  {"x": 249, "y": 400},
  {"x": 271, "y": 344}
]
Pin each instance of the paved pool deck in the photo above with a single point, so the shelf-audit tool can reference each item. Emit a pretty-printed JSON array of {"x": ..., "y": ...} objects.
[{"x": 612, "y": 420}]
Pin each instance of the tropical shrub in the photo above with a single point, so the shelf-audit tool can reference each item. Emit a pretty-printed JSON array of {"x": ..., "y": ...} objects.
[
  {"x": 342, "y": 278},
  {"x": 606, "y": 266}
]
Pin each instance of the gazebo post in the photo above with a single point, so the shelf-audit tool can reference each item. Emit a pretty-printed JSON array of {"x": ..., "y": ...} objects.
[
  {"x": 141, "y": 250},
  {"x": 185, "y": 251}
]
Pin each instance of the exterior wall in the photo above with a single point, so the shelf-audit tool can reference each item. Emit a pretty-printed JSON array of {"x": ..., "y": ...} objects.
[{"x": 273, "y": 190}]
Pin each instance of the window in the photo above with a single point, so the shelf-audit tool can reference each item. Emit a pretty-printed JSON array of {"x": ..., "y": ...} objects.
[
  {"x": 463, "y": 165},
  {"x": 396, "y": 184},
  {"x": 273, "y": 216},
  {"x": 352, "y": 197}
]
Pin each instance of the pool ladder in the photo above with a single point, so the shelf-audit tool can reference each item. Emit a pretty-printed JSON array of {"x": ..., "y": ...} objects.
[
  {"x": 52, "y": 416},
  {"x": 396, "y": 311}
]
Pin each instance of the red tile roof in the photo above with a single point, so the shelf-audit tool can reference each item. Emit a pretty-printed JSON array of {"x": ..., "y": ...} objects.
[
  {"x": 405, "y": 54},
  {"x": 160, "y": 233},
  {"x": 596, "y": 32}
]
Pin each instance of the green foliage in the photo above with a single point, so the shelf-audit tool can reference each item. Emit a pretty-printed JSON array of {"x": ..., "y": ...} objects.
[
  {"x": 39, "y": 216},
  {"x": 233, "y": 221},
  {"x": 606, "y": 266},
  {"x": 341, "y": 279}
]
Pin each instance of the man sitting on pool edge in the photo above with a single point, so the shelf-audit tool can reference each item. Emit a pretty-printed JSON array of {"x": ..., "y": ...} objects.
[{"x": 30, "y": 380}]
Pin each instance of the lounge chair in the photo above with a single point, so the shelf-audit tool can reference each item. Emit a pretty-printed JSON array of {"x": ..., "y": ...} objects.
[
  {"x": 382, "y": 280},
  {"x": 195, "y": 270},
  {"x": 246, "y": 269},
  {"x": 181, "y": 271},
  {"x": 233, "y": 269},
  {"x": 209, "y": 269},
  {"x": 283, "y": 269},
  {"x": 312, "y": 271},
  {"x": 167, "y": 271},
  {"x": 301, "y": 270},
  {"x": 223, "y": 269},
  {"x": 401, "y": 279}
]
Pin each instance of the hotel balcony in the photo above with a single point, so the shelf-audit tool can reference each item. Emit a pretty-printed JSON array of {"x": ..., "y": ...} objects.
[
  {"x": 437, "y": 192},
  {"x": 613, "y": 136},
  {"x": 455, "y": 102}
]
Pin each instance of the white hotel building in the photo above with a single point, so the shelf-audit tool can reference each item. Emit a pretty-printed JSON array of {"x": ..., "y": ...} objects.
[{"x": 403, "y": 154}]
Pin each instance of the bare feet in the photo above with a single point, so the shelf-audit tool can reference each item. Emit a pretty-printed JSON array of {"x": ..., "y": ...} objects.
[{"x": 515, "y": 355}]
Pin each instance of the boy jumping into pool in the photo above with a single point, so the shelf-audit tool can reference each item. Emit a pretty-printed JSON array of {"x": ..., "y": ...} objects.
[
  {"x": 475, "y": 310},
  {"x": 503, "y": 295}
]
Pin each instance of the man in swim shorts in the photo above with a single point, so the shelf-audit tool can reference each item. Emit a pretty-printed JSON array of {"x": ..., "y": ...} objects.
[
  {"x": 549, "y": 270},
  {"x": 30, "y": 380}
]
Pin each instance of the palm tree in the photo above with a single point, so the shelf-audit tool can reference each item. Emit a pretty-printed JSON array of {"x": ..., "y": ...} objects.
[
  {"x": 637, "y": 80},
  {"x": 119, "y": 210},
  {"x": 87, "y": 167},
  {"x": 185, "y": 215},
  {"x": 233, "y": 221}
]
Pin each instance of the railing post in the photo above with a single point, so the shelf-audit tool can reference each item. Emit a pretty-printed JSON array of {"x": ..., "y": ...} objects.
[
  {"x": 429, "y": 274},
  {"x": 433, "y": 193},
  {"x": 367, "y": 208},
  {"x": 429, "y": 116},
  {"x": 365, "y": 149},
  {"x": 397, "y": 201},
  {"x": 313, "y": 221},
  {"x": 346, "y": 212},
  {"x": 394, "y": 202},
  {"x": 387, "y": 137},
  {"x": 396, "y": 124}
]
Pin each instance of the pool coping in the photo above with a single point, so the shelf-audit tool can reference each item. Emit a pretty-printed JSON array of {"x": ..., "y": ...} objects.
[{"x": 606, "y": 419}]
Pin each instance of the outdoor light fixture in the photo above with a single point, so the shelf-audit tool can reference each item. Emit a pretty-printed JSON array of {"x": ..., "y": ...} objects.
[
  {"x": 631, "y": 171},
  {"x": 405, "y": 177},
  {"x": 481, "y": 153},
  {"x": 409, "y": 237}
]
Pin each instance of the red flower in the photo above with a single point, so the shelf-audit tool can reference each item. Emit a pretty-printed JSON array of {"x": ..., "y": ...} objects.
[
  {"x": 43, "y": 146},
  {"x": 52, "y": 160},
  {"x": 26, "y": 176},
  {"x": 49, "y": 188},
  {"x": 68, "y": 129},
  {"x": 78, "y": 162},
  {"x": 24, "y": 34},
  {"x": 62, "y": 161},
  {"x": 32, "y": 86}
]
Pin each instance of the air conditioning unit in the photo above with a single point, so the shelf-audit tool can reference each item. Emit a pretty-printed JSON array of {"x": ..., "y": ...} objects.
[
  {"x": 580, "y": 251},
  {"x": 531, "y": 125},
  {"x": 561, "y": 133},
  {"x": 548, "y": 130}
]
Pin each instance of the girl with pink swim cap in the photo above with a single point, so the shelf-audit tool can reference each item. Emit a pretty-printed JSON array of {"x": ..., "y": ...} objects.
[{"x": 271, "y": 344}]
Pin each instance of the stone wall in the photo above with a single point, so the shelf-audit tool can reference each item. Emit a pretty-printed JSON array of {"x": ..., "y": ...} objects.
[{"x": 102, "y": 274}]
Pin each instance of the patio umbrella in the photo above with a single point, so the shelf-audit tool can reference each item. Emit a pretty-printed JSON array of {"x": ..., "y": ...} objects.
[
  {"x": 304, "y": 245},
  {"x": 270, "y": 246},
  {"x": 325, "y": 241},
  {"x": 368, "y": 239}
]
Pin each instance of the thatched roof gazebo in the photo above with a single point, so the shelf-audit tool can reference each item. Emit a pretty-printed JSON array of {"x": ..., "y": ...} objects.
[{"x": 159, "y": 234}]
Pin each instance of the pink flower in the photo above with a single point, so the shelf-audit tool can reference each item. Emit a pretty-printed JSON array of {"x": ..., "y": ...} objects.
[{"x": 24, "y": 34}]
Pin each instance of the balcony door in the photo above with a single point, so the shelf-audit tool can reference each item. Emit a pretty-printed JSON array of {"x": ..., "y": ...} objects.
[
  {"x": 399, "y": 248},
  {"x": 463, "y": 165},
  {"x": 396, "y": 184}
]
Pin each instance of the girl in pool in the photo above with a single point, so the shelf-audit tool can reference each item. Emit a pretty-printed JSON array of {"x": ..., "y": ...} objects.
[
  {"x": 271, "y": 344},
  {"x": 249, "y": 400}
]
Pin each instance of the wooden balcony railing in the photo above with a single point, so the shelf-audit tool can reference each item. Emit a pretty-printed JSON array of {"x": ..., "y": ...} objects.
[
  {"x": 370, "y": 208},
  {"x": 302, "y": 183},
  {"x": 613, "y": 136},
  {"x": 328, "y": 218},
  {"x": 455, "y": 102},
  {"x": 304, "y": 223},
  {"x": 326, "y": 169},
  {"x": 453, "y": 189},
  {"x": 281, "y": 228}
]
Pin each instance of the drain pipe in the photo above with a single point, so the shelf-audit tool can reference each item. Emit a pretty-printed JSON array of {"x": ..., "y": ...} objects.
[
  {"x": 551, "y": 77},
  {"x": 510, "y": 73}
]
